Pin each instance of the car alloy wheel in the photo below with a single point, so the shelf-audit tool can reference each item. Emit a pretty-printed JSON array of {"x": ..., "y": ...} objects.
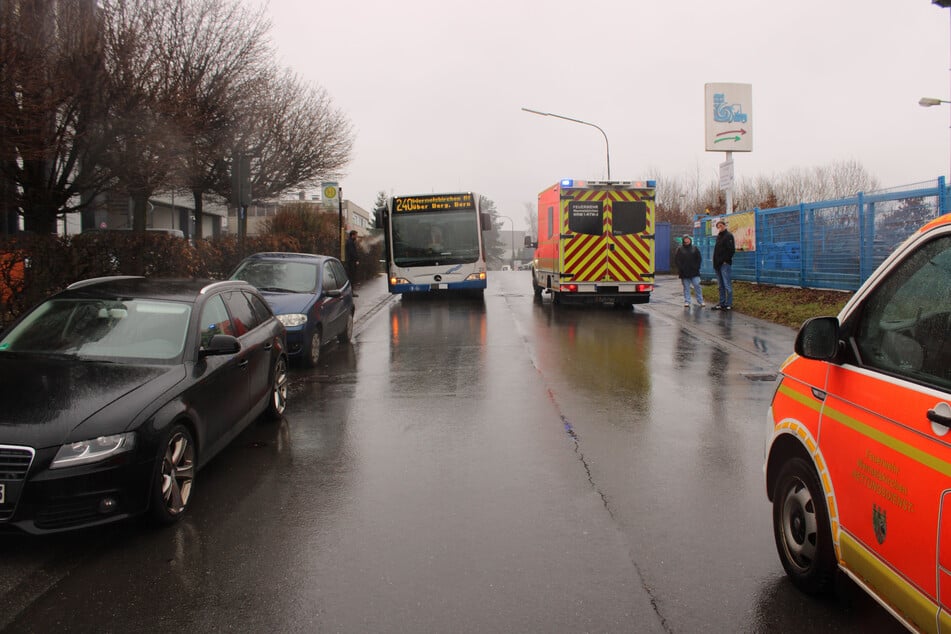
[
  {"x": 278, "y": 389},
  {"x": 175, "y": 476}
]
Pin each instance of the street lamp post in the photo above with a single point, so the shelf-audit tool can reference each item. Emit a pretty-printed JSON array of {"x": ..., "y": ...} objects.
[
  {"x": 927, "y": 102},
  {"x": 512, "y": 259},
  {"x": 558, "y": 116}
]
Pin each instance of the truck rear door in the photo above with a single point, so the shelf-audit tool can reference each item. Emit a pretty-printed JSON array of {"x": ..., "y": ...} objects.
[
  {"x": 584, "y": 253},
  {"x": 609, "y": 235},
  {"x": 630, "y": 227}
]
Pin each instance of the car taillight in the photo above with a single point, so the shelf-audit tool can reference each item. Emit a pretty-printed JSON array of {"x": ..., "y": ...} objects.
[
  {"x": 570, "y": 288},
  {"x": 645, "y": 288}
]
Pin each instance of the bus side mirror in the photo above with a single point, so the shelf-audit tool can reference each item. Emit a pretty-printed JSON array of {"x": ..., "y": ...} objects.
[
  {"x": 378, "y": 220},
  {"x": 486, "y": 221}
]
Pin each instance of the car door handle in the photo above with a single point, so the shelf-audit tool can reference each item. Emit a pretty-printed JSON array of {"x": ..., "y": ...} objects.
[
  {"x": 940, "y": 419},
  {"x": 243, "y": 363},
  {"x": 268, "y": 345}
]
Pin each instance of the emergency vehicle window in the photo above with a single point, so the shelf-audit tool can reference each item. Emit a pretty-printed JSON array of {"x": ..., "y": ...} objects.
[
  {"x": 586, "y": 216},
  {"x": 629, "y": 217},
  {"x": 551, "y": 221},
  {"x": 904, "y": 327}
]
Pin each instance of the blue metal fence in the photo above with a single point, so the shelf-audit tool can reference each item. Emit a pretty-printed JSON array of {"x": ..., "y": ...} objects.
[{"x": 834, "y": 244}]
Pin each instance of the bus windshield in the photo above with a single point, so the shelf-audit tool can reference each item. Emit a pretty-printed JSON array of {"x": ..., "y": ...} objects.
[{"x": 443, "y": 237}]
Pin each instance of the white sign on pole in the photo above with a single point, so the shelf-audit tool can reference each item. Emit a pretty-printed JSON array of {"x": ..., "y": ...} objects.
[
  {"x": 726, "y": 174},
  {"x": 728, "y": 118}
]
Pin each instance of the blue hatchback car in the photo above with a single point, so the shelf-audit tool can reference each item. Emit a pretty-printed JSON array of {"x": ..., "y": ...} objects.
[{"x": 310, "y": 294}]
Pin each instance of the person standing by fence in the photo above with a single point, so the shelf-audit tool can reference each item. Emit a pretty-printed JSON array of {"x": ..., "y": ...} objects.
[
  {"x": 688, "y": 261},
  {"x": 723, "y": 252}
]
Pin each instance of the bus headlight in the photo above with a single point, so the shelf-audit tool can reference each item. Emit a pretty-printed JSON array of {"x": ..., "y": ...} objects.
[
  {"x": 398, "y": 280},
  {"x": 480, "y": 276}
]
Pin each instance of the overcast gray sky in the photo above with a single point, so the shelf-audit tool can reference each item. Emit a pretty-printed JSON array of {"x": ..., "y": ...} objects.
[{"x": 434, "y": 88}]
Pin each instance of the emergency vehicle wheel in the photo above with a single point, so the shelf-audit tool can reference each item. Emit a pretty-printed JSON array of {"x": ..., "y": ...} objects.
[{"x": 801, "y": 528}]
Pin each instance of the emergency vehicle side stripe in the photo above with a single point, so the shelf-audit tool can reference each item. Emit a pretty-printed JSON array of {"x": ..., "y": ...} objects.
[
  {"x": 857, "y": 426},
  {"x": 800, "y": 398},
  {"x": 912, "y": 606},
  {"x": 904, "y": 448}
]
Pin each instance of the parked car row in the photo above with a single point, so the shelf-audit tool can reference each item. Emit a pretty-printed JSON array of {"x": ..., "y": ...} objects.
[{"x": 117, "y": 390}]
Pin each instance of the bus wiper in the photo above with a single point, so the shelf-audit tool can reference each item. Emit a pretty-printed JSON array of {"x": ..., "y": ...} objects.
[{"x": 417, "y": 262}]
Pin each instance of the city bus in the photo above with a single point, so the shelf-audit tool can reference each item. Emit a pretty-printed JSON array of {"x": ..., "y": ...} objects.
[{"x": 434, "y": 242}]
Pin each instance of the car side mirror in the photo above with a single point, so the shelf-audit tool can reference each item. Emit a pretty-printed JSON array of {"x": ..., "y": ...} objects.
[
  {"x": 818, "y": 339},
  {"x": 221, "y": 344},
  {"x": 529, "y": 243}
]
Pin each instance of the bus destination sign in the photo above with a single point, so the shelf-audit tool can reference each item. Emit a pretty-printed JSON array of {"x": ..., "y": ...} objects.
[{"x": 433, "y": 202}]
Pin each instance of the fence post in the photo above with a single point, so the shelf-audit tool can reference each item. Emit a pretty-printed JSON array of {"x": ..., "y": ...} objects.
[
  {"x": 942, "y": 197},
  {"x": 803, "y": 249},
  {"x": 757, "y": 251},
  {"x": 866, "y": 236}
]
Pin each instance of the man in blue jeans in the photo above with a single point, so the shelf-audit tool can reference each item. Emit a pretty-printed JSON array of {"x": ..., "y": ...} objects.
[{"x": 723, "y": 252}]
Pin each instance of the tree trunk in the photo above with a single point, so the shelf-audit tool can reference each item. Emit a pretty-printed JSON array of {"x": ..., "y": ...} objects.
[
  {"x": 41, "y": 219},
  {"x": 140, "y": 208},
  {"x": 196, "y": 194}
]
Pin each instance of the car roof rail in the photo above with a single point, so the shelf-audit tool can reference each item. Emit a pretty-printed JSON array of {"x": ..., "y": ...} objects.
[
  {"x": 107, "y": 278},
  {"x": 224, "y": 284}
]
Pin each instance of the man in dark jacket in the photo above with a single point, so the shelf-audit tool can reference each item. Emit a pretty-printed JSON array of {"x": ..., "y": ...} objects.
[
  {"x": 723, "y": 252},
  {"x": 688, "y": 260}
]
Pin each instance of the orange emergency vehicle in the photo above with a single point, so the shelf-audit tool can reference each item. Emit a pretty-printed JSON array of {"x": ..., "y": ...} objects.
[
  {"x": 595, "y": 242},
  {"x": 859, "y": 464}
]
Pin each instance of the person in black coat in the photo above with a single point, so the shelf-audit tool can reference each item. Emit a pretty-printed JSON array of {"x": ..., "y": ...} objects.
[
  {"x": 352, "y": 256},
  {"x": 688, "y": 260},
  {"x": 723, "y": 252}
]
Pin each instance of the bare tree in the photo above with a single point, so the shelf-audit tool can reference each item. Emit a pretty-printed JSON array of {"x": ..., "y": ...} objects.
[
  {"x": 147, "y": 139},
  {"x": 295, "y": 136},
  {"x": 495, "y": 249},
  {"x": 51, "y": 81},
  {"x": 379, "y": 205},
  {"x": 220, "y": 55},
  {"x": 531, "y": 219},
  {"x": 828, "y": 182}
]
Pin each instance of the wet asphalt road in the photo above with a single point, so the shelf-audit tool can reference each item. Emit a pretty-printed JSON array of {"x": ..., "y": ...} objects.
[{"x": 505, "y": 465}]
